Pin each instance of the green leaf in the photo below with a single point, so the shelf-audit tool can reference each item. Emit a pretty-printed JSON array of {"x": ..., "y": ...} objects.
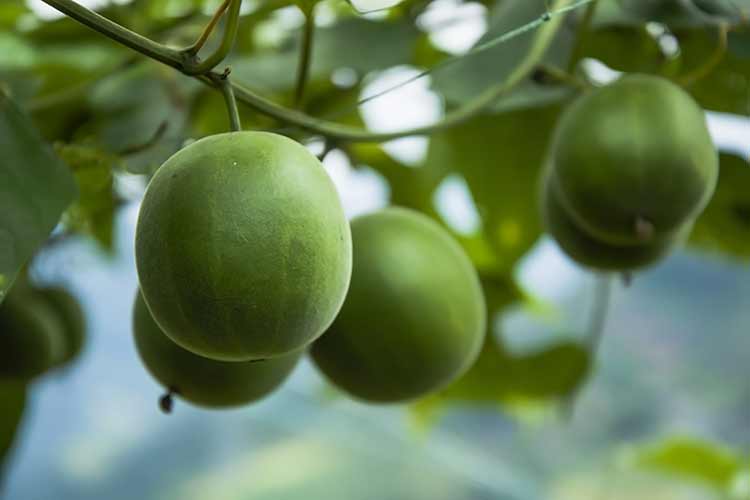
[
  {"x": 35, "y": 188},
  {"x": 499, "y": 377},
  {"x": 474, "y": 73},
  {"x": 369, "y": 46},
  {"x": 724, "y": 226},
  {"x": 93, "y": 213},
  {"x": 691, "y": 459},
  {"x": 500, "y": 156},
  {"x": 12, "y": 405}
]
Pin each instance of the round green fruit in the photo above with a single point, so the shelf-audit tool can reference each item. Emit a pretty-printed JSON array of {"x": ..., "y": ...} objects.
[
  {"x": 242, "y": 247},
  {"x": 633, "y": 161},
  {"x": 30, "y": 337},
  {"x": 414, "y": 318},
  {"x": 203, "y": 381},
  {"x": 590, "y": 252},
  {"x": 72, "y": 318}
]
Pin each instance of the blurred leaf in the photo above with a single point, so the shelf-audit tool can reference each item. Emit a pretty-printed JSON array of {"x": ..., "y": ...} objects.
[
  {"x": 132, "y": 106},
  {"x": 691, "y": 459},
  {"x": 474, "y": 73},
  {"x": 35, "y": 188},
  {"x": 499, "y": 377},
  {"x": 500, "y": 157},
  {"x": 673, "y": 13},
  {"x": 355, "y": 43},
  {"x": 725, "y": 224},
  {"x": 410, "y": 187},
  {"x": 625, "y": 48},
  {"x": 93, "y": 213},
  {"x": 12, "y": 404}
]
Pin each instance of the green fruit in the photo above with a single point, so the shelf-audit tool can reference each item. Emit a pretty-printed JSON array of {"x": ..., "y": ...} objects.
[
  {"x": 12, "y": 405},
  {"x": 30, "y": 336},
  {"x": 590, "y": 252},
  {"x": 242, "y": 247},
  {"x": 414, "y": 318},
  {"x": 634, "y": 154},
  {"x": 73, "y": 320},
  {"x": 203, "y": 381}
]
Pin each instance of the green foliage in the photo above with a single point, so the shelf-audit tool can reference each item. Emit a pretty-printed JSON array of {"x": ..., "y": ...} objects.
[
  {"x": 108, "y": 110},
  {"x": 93, "y": 212},
  {"x": 242, "y": 235},
  {"x": 724, "y": 227},
  {"x": 502, "y": 378},
  {"x": 35, "y": 188},
  {"x": 691, "y": 459}
]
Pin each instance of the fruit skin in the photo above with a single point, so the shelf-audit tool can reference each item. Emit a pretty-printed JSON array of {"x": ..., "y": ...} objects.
[
  {"x": 414, "y": 318},
  {"x": 30, "y": 336},
  {"x": 72, "y": 318},
  {"x": 638, "y": 148},
  {"x": 202, "y": 381},
  {"x": 242, "y": 247},
  {"x": 590, "y": 252}
]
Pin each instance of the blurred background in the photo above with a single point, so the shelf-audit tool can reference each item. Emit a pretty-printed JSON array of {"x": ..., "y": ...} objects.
[{"x": 660, "y": 411}]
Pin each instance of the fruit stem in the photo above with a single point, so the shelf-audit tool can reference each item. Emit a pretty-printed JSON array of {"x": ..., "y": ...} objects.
[
  {"x": 644, "y": 229},
  {"x": 305, "y": 59},
  {"x": 166, "y": 402},
  {"x": 231, "y": 102}
]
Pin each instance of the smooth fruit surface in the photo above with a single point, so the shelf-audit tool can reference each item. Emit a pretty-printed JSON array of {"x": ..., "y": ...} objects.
[
  {"x": 590, "y": 252},
  {"x": 203, "y": 381},
  {"x": 414, "y": 317},
  {"x": 30, "y": 337},
  {"x": 637, "y": 150},
  {"x": 72, "y": 318},
  {"x": 242, "y": 247}
]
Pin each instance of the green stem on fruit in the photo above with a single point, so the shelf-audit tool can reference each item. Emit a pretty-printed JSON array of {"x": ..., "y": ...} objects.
[
  {"x": 203, "y": 38},
  {"x": 581, "y": 34},
  {"x": 305, "y": 59},
  {"x": 548, "y": 25},
  {"x": 644, "y": 229},
  {"x": 225, "y": 85},
  {"x": 227, "y": 42},
  {"x": 705, "y": 69},
  {"x": 166, "y": 402},
  {"x": 545, "y": 74}
]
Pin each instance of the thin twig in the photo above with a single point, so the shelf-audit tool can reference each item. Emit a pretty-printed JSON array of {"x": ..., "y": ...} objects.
[
  {"x": 227, "y": 42},
  {"x": 185, "y": 63},
  {"x": 581, "y": 35},
  {"x": 198, "y": 45},
  {"x": 542, "y": 19},
  {"x": 305, "y": 59},
  {"x": 704, "y": 69},
  {"x": 595, "y": 334}
]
